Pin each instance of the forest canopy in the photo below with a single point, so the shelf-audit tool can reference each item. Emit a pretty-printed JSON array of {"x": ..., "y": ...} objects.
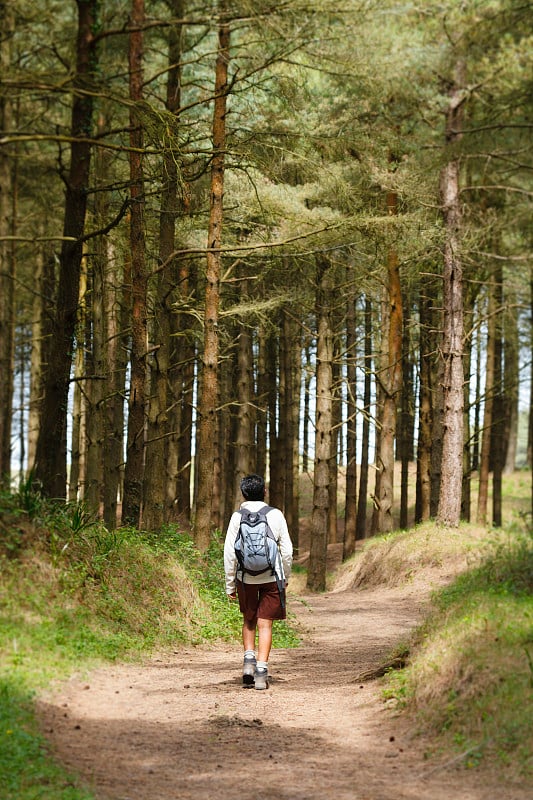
[{"x": 267, "y": 237}]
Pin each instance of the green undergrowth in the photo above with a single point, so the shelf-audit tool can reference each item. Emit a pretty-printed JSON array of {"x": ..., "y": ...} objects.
[
  {"x": 73, "y": 595},
  {"x": 26, "y": 770},
  {"x": 469, "y": 679}
]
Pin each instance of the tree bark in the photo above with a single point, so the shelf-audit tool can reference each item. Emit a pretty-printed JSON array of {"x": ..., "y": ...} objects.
[
  {"x": 7, "y": 255},
  {"x": 449, "y": 506},
  {"x": 156, "y": 460},
  {"x": 292, "y": 357},
  {"x": 183, "y": 380},
  {"x": 76, "y": 484},
  {"x": 484, "y": 459},
  {"x": 511, "y": 383},
  {"x": 350, "y": 504},
  {"x": 37, "y": 334},
  {"x": 497, "y": 438},
  {"x": 466, "y": 494},
  {"x": 276, "y": 490},
  {"x": 390, "y": 380},
  {"x": 281, "y": 464},
  {"x": 245, "y": 461},
  {"x": 94, "y": 370},
  {"x": 293, "y": 499},
  {"x": 365, "y": 433},
  {"x": 316, "y": 572},
  {"x": 336, "y": 420},
  {"x": 261, "y": 401},
  {"x": 209, "y": 383},
  {"x": 50, "y": 458},
  {"x": 530, "y": 409},
  {"x": 117, "y": 296},
  {"x": 407, "y": 419},
  {"x": 307, "y": 398},
  {"x": 423, "y": 465},
  {"x": 133, "y": 473}
]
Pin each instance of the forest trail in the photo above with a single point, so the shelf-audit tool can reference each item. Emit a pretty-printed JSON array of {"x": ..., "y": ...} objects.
[{"x": 181, "y": 727}]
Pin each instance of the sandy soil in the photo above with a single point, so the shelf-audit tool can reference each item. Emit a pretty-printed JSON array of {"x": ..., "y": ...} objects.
[{"x": 181, "y": 727}]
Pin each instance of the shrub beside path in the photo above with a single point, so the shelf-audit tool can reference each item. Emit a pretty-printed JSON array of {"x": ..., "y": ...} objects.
[{"x": 181, "y": 727}]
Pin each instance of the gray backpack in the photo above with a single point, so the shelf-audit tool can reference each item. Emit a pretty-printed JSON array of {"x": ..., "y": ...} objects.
[{"x": 256, "y": 547}]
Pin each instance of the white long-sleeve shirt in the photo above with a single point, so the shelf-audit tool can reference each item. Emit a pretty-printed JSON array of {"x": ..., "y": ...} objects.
[{"x": 278, "y": 525}]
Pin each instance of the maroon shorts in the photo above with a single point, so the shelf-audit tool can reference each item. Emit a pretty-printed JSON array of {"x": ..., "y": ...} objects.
[{"x": 260, "y": 600}]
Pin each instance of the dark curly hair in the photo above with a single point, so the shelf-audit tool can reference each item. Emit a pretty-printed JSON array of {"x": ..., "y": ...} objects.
[{"x": 253, "y": 487}]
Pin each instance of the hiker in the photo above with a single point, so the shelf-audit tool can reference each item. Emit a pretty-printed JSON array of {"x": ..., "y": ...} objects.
[{"x": 261, "y": 592}]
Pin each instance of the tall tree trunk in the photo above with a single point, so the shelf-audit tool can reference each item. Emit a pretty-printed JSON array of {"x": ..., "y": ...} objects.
[
  {"x": 276, "y": 492},
  {"x": 7, "y": 260},
  {"x": 529, "y": 452},
  {"x": 183, "y": 384},
  {"x": 484, "y": 460},
  {"x": 449, "y": 507},
  {"x": 307, "y": 399},
  {"x": 316, "y": 572},
  {"x": 37, "y": 335},
  {"x": 365, "y": 433},
  {"x": 336, "y": 419},
  {"x": 21, "y": 358},
  {"x": 350, "y": 504},
  {"x": 133, "y": 474},
  {"x": 291, "y": 356},
  {"x": 390, "y": 380},
  {"x": 156, "y": 458},
  {"x": 50, "y": 459},
  {"x": 293, "y": 499},
  {"x": 497, "y": 438},
  {"x": 94, "y": 366},
  {"x": 107, "y": 390},
  {"x": 530, "y": 409},
  {"x": 511, "y": 382},
  {"x": 423, "y": 465},
  {"x": 117, "y": 296},
  {"x": 476, "y": 438},
  {"x": 76, "y": 483},
  {"x": 437, "y": 431},
  {"x": 261, "y": 401},
  {"x": 406, "y": 434},
  {"x": 282, "y": 460},
  {"x": 209, "y": 384},
  {"x": 224, "y": 500},
  {"x": 245, "y": 462},
  {"x": 466, "y": 498}
]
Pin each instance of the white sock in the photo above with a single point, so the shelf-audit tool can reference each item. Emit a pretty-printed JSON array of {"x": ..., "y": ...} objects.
[
  {"x": 262, "y": 665},
  {"x": 249, "y": 653}
]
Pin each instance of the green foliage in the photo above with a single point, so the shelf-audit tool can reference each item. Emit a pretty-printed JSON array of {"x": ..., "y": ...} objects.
[
  {"x": 26, "y": 772},
  {"x": 28, "y": 497},
  {"x": 471, "y": 675}
]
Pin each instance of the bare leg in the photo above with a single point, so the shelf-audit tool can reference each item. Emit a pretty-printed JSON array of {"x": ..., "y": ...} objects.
[
  {"x": 248, "y": 634},
  {"x": 264, "y": 627}
]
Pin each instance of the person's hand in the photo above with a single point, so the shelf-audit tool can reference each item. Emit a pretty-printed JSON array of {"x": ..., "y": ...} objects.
[{"x": 232, "y": 597}]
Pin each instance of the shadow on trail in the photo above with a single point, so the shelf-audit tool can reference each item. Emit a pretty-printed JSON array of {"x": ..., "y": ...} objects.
[{"x": 224, "y": 757}]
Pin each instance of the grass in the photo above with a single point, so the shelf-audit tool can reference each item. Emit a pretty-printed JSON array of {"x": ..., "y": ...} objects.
[
  {"x": 73, "y": 595},
  {"x": 26, "y": 769},
  {"x": 403, "y": 556},
  {"x": 469, "y": 681}
]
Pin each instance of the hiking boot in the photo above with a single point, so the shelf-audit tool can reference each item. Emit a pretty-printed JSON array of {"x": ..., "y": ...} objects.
[
  {"x": 248, "y": 670},
  {"x": 261, "y": 678}
]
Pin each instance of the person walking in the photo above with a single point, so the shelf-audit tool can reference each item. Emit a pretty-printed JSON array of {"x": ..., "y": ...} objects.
[{"x": 262, "y": 597}]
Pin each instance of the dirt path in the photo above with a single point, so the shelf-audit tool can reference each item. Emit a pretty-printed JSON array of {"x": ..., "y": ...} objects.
[{"x": 182, "y": 727}]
